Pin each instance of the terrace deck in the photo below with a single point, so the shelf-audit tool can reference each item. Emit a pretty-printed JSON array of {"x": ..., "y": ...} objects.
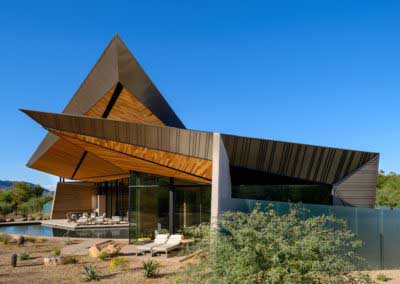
[{"x": 64, "y": 224}]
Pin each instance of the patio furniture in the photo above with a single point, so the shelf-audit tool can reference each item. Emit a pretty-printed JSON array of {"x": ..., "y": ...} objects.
[
  {"x": 159, "y": 240},
  {"x": 174, "y": 242},
  {"x": 82, "y": 221},
  {"x": 71, "y": 217},
  {"x": 115, "y": 220},
  {"x": 100, "y": 220}
]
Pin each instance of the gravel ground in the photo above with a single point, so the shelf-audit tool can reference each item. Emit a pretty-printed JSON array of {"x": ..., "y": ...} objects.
[
  {"x": 33, "y": 271},
  {"x": 392, "y": 275}
]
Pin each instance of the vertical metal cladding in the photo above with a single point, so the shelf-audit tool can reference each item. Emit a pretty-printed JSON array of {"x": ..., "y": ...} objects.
[
  {"x": 313, "y": 163},
  {"x": 175, "y": 140}
]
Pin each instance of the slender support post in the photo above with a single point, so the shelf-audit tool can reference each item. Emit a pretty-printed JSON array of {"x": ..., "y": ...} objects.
[{"x": 171, "y": 206}]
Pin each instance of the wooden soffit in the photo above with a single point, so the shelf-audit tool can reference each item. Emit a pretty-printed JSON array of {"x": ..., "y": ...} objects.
[{"x": 168, "y": 151}]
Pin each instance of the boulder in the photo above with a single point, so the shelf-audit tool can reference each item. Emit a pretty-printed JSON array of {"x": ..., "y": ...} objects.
[
  {"x": 20, "y": 240},
  {"x": 53, "y": 260},
  {"x": 111, "y": 249},
  {"x": 94, "y": 251}
]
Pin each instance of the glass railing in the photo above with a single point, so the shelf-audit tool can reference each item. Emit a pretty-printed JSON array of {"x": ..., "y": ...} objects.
[{"x": 379, "y": 229}]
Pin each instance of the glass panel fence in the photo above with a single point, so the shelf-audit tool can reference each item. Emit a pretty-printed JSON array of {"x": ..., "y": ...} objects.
[{"x": 379, "y": 229}]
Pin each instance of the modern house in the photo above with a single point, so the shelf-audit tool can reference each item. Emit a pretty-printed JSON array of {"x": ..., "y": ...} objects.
[{"x": 132, "y": 156}]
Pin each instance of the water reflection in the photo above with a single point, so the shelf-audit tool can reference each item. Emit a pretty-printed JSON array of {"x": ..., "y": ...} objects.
[{"x": 44, "y": 231}]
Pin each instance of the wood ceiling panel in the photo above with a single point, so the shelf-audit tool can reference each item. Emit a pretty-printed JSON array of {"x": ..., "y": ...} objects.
[
  {"x": 93, "y": 166},
  {"x": 60, "y": 159},
  {"x": 195, "y": 166},
  {"x": 123, "y": 157},
  {"x": 98, "y": 109},
  {"x": 127, "y": 108}
]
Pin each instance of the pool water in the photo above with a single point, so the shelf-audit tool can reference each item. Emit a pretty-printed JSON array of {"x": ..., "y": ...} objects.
[{"x": 45, "y": 231}]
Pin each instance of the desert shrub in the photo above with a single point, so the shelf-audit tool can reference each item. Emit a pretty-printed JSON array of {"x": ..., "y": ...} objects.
[
  {"x": 5, "y": 239},
  {"x": 118, "y": 263},
  {"x": 358, "y": 278},
  {"x": 24, "y": 256},
  {"x": 382, "y": 277},
  {"x": 56, "y": 251},
  {"x": 264, "y": 247},
  {"x": 70, "y": 260},
  {"x": 90, "y": 273},
  {"x": 68, "y": 242},
  {"x": 103, "y": 255},
  {"x": 30, "y": 239},
  {"x": 150, "y": 268}
]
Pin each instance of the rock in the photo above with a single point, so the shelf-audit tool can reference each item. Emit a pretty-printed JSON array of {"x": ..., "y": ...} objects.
[
  {"x": 111, "y": 249},
  {"x": 2, "y": 220},
  {"x": 20, "y": 240},
  {"x": 53, "y": 260},
  {"x": 94, "y": 251},
  {"x": 9, "y": 220},
  {"x": 22, "y": 219}
]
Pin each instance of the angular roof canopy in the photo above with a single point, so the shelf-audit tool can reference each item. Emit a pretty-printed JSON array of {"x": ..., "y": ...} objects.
[
  {"x": 189, "y": 152},
  {"x": 117, "y": 87},
  {"x": 118, "y": 121}
]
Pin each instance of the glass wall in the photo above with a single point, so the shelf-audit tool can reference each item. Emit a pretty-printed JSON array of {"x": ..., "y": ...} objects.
[
  {"x": 252, "y": 184},
  {"x": 116, "y": 193},
  {"x": 165, "y": 204}
]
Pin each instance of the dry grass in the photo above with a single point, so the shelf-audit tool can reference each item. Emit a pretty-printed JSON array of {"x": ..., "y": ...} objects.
[{"x": 33, "y": 271}]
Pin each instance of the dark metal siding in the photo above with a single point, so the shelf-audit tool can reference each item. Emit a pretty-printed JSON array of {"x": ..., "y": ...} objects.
[
  {"x": 359, "y": 188},
  {"x": 307, "y": 162}
]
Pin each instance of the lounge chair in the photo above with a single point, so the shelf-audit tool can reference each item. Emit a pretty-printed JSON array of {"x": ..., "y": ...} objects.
[
  {"x": 160, "y": 239},
  {"x": 101, "y": 219},
  {"x": 82, "y": 221},
  {"x": 174, "y": 242},
  {"x": 115, "y": 220}
]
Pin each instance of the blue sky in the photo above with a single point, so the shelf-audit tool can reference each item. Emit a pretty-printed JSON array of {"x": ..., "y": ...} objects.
[{"x": 317, "y": 72}]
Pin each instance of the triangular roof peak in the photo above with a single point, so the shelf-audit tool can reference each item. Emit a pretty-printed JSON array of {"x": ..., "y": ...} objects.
[{"x": 116, "y": 67}]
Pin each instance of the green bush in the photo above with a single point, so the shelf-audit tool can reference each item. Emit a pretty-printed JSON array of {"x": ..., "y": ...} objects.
[
  {"x": 263, "y": 247},
  {"x": 382, "y": 277},
  {"x": 5, "y": 208},
  {"x": 70, "y": 260},
  {"x": 103, "y": 255},
  {"x": 150, "y": 268},
  {"x": 118, "y": 263},
  {"x": 5, "y": 239},
  {"x": 56, "y": 251},
  {"x": 24, "y": 256}
]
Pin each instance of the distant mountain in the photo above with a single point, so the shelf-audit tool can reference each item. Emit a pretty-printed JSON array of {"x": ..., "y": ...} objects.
[{"x": 6, "y": 184}]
